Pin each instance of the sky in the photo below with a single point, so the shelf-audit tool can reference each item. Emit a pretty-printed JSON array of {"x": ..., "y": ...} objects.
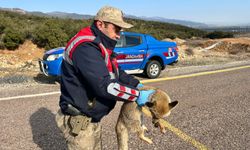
[{"x": 216, "y": 12}]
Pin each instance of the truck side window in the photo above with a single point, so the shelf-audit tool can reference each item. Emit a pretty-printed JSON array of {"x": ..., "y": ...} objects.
[
  {"x": 132, "y": 40},
  {"x": 119, "y": 43}
]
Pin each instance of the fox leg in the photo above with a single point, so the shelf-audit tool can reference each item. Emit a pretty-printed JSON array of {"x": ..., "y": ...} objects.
[
  {"x": 122, "y": 136},
  {"x": 142, "y": 136},
  {"x": 144, "y": 128}
]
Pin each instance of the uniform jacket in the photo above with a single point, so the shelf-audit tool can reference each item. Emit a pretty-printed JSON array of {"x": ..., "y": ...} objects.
[{"x": 91, "y": 80}]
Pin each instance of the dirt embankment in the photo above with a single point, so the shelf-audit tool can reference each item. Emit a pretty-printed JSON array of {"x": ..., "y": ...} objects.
[
  {"x": 20, "y": 62},
  {"x": 23, "y": 62},
  {"x": 207, "y": 51},
  {"x": 26, "y": 53}
]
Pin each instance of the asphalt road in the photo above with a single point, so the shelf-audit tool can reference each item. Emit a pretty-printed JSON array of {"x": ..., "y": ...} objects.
[{"x": 213, "y": 111}]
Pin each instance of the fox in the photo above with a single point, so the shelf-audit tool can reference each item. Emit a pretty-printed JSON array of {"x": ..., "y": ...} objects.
[{"x": 130, "y": 118}]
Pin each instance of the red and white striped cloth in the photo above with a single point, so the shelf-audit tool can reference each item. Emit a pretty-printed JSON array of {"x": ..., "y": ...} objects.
[{"x": 123, "y": 91}]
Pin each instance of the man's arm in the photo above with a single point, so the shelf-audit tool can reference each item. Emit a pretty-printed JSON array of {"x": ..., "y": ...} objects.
[
  {"x": 88, "y": 62},
  {"x": 127, "y": 79}
]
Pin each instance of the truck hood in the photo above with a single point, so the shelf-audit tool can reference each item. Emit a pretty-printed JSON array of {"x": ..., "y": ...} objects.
[{"x": 58, "y": 50}]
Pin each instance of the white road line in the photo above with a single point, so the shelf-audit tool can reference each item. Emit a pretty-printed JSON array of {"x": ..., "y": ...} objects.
[{"x": 28, "y": 96}]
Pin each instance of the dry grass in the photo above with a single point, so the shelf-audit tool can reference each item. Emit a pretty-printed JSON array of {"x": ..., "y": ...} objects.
[{"x": 202, "y": 52}]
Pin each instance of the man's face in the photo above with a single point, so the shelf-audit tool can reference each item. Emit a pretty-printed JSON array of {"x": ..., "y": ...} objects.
[{"x": 109, "y": 29}]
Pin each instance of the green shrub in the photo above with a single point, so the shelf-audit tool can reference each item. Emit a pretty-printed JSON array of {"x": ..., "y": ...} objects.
[
  {"x": 2, "y": 27},
  {"x": 219, "y": 35},
  {"x": 50, "y": 35},
  {"x": 12, "y": 39},
  {"x": 49, "y": 32}
]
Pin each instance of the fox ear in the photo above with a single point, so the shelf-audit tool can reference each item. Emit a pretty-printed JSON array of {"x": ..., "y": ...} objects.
[
  {"x": 149, "y": 104},
  {"x": 173, "y": 104}
]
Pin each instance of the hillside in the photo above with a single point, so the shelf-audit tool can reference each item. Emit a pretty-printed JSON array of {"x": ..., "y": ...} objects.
[
  {"x": 22, "y": 65},
  {"x": 85, "y": 16},
  {"x": 206, "y": 51},
  {"x": 34, "y": 35},
  {"x": 47, "y": 32}
]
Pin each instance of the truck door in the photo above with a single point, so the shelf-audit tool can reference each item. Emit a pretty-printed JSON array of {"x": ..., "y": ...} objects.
[{"x": 131, "y": 50}]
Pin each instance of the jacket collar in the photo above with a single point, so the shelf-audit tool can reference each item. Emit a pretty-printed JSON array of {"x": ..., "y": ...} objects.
[{"x": 104, "y": 39}]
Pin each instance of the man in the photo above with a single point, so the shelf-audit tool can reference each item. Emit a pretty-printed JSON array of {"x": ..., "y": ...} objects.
[{"x": 91, "y": 81}]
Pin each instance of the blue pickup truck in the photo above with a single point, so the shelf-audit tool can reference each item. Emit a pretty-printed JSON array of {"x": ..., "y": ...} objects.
[{"x": 136, "y": 53}]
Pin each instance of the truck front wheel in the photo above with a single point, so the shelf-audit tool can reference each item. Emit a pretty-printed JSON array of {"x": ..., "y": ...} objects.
[{"x": 153, "y": 69}]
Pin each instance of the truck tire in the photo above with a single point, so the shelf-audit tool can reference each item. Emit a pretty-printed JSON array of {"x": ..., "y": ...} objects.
[{"x": 153, "y": 69}]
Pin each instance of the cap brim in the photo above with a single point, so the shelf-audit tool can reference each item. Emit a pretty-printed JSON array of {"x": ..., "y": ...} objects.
[{"x": 123, "y": 25}]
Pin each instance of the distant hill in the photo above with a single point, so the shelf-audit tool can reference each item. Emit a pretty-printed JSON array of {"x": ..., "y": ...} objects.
[
  {"x": 69, "y": 15},
  {"x": 53, "y": 29},
  {"x": 17, "y": 10},
  {"x": 233, "y": 29},
  {"x": 38, "y": 13},
  {"x": 59, "y": 14},
  {"x": 159, "y": 19},
  {"x": 85, "y": 16},
  {"x": 175, "y": 21}
]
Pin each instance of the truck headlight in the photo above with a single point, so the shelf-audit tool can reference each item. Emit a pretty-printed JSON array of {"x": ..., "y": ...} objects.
[{"x": 54, "y": 57}]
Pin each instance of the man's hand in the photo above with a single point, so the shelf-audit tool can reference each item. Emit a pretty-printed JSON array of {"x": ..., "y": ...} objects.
[
  {"x": 140, "y": 85},
  {"x": 144, "y": 97}
]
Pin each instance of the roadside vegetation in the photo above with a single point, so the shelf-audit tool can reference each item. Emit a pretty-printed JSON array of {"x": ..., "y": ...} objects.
[
  {"x": 25, "y": 38},
  {"x": 49, "y": 33}
]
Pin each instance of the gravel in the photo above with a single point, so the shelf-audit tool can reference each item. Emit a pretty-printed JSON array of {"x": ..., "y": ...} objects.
[{"x": 169, "y": 71}]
